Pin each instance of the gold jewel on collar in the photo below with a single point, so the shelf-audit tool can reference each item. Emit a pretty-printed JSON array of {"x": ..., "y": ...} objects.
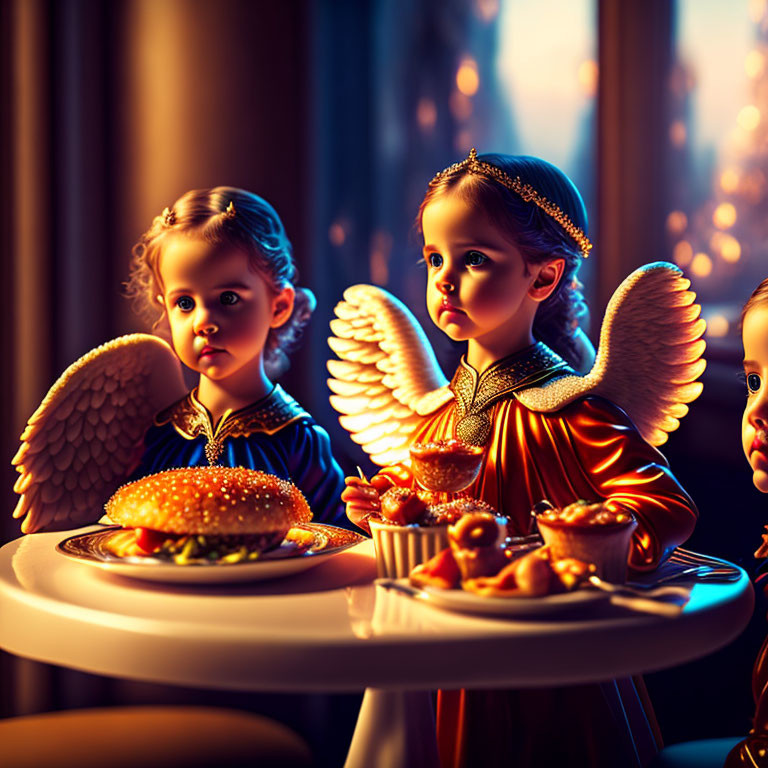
[
  {"x": 191, "y": 419},
  {"x": 476, "y": 394},
  {"x": 472, "y": 165}
]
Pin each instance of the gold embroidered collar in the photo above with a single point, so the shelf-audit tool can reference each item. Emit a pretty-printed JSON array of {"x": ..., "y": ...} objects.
[
  {"x": 475, "y": 394},
  {"x": 190, "y": 418}
]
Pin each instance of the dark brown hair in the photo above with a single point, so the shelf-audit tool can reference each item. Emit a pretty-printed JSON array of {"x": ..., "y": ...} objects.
[{"x": 537, "y": 235}]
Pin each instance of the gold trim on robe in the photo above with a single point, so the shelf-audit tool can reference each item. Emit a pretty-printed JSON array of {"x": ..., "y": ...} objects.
[
  {"x": 475, "y": 394},
  {"x": 587, "y": 450},
  {"x": 190, "y": 418}
]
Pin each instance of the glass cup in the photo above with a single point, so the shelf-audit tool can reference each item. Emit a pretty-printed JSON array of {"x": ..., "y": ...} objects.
[{"x": 447, "y": 466}]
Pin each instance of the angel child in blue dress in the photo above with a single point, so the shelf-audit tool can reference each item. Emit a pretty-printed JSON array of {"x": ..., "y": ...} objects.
[
  {"x": 503, "y": 240},
  {"x": 215, "y": 271}
]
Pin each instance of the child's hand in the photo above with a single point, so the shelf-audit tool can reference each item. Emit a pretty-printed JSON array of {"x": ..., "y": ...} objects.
[{"x": 363, "y": 499}]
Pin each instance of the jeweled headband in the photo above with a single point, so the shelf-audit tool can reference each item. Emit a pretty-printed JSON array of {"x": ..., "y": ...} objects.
[{"x": 472, "y": 165}]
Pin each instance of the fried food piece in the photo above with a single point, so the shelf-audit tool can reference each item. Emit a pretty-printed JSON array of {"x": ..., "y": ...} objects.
[
  {"x": 440, "y": 571},
  {"x": 477, "y": 543},
  {"x": 401, "y": 506}
]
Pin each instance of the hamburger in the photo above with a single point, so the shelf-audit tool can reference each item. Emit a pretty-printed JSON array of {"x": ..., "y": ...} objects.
[{"x": 206, "y": 514}]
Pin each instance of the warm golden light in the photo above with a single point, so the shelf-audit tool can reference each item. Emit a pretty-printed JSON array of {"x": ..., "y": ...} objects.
[
  {"x": 588, "y": 76},
  {"x": 701, "y": 266},
  {"x": 717, "y": 326},
  {"x": 757, "y": 10},
  {"x": 467, "y": 78},
  {"x": 683, "y": 253},
  {"x": 337, "y": 234},
  {"x": 731, "y": 250},
  {"x": 678, "y": 133},
  {"x": 754, "y": 64},
  {"x": 729, "y": 179},
  {"x": 677, "y": 221},
  {"x": 426, "y": 114},
  {"x": 749, "y": 117},
  {"x": 727, "y": 246},
  {"x": 461, "y": 105},
  {"x": 724, "y": 216}
]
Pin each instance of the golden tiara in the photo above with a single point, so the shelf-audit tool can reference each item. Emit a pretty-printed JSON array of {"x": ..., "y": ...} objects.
[{"x": 472, "y": 165}]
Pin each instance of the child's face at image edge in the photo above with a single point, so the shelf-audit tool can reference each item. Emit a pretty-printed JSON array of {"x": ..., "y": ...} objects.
[
  {"x": 220, "y": 310},
  {"x": 754, "y": 425},
  {"x": 478, "y": 284}
]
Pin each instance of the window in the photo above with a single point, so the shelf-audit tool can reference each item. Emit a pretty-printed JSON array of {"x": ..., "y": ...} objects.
[{"x": 718, "y": 224}]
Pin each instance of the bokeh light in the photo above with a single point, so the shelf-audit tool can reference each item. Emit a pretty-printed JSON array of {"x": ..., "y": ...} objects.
[
  {"x": 467, "y": 77},
  {"x": 701, "y": 266},
  {"x": 729, "y": 179},
  {"x": 749, "y": 117},
  {"x": 726, "y": 246},
  {"x": 461, "y": 106},
  {"x": 678, "y": 133},
  {"x": 677, "y": 221},
  {"x": 717, "y": 326},
  {"x": 463, "y": 141},
  {"x": 426, "y": 114},
  {"x": 724, "y": 216},
  {"x": 588, "y": 75},
  {"x": 682, "y": 253},
  {"x": 381, "y": 249},
  {"x": 337, "y": 233},
  {"x": 487, "y": 10},
  {"x": 754, "y": 64}
]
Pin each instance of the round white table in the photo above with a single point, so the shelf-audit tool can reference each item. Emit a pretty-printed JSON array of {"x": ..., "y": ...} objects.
[{"x": 331, "y": 629}]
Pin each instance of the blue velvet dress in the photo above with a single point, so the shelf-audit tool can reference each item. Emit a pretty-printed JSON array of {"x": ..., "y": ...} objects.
[{"x": 274, "y": 435}]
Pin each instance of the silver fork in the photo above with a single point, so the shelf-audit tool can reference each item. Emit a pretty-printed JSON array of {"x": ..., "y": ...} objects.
[
  {"x": 686, "y": 556},
  {"x": 702, "y": 573},
  {"x": 714, "y": 573}
]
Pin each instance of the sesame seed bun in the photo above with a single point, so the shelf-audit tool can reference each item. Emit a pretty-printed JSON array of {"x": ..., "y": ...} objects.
[{"x": 210, "y": 501}]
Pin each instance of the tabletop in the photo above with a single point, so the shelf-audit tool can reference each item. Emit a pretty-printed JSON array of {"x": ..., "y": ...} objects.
[{"x": 329, "y": 628}]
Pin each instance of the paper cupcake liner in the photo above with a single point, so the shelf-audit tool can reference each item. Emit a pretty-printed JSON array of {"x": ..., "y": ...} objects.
[{"x": 400, "y": 548}]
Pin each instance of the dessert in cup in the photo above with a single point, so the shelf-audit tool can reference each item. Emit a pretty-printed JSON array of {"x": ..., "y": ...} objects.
[{"x": 406, "y": 528}]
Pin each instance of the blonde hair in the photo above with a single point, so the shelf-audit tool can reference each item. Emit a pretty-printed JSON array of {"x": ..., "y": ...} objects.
[
  {"x": 234, "y": 217},
  {"x": 759, "y": 296}
]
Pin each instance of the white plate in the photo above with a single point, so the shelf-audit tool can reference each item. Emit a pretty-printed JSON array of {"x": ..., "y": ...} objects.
[
  {"x": 468, "y": 602},
  {"x": 88, "y": 548}
]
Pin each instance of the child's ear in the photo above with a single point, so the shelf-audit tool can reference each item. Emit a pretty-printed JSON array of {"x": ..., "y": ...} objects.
[
  {"x": 282, "y": 306},
  {"x": 546, "y": 280}
]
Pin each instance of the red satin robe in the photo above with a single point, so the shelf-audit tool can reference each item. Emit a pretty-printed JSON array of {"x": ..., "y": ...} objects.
[{"x": 588, "y": 450}]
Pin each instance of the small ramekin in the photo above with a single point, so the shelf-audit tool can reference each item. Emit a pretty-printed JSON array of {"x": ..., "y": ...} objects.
[
  {"x": 400, "y": 548},
  {"x": 607, "y": 546}
]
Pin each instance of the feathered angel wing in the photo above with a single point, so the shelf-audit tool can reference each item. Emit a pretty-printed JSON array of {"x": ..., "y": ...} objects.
[
  {"x": 649, "y": 357},
  {"x": 86, "y": 436},
  {"x": 387, "y": 376}
]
